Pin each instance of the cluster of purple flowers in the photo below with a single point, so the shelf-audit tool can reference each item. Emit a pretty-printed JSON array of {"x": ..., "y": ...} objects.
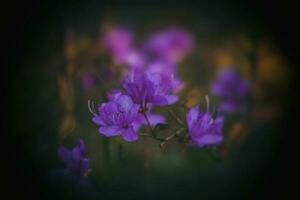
[
  {"x": 160, "y": 53},
  {"x": 150, "y": 80}
]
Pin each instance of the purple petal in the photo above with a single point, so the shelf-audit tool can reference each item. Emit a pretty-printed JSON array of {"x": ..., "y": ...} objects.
[
  {"x": 171, "y": 99},
  {"x": 81, "y": 145},
  {"x": 107, "y": 110},
  {"x": 155, "y": 119},
  {"x": 110, "y": 131},
  {"x": 192, "y": 116},
  {"x": 133, "y": 112},
  {"x": 138, "y": 121},
  {"x": 208, "y": 139},
  {"x": 129, "y": 134},
  {"x": 64, "y": 154},
  {"x": 218, "y": 125},
  {"x": 125, "y": 103},
  {"x": 177, "y": 85},
  {"x": 77, "y": 154},
  {"x": 114, "y": 94},
  {"x": 85, "y": 165},
  {"x": 97, "y": 120},
  {"x": 160, "y": 100}
]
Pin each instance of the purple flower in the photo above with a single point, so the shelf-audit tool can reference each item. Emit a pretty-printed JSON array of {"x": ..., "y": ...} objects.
[
  {"x": 170, "y": 44},
  {"x": 117, "y": 117},
  {"x": 139, "y": 120},
  {"x": 167, "y": 71},
  {"x": 75, "y": 161},
  {"x": 118, "y": 42},
  {"x": 146, "y": 89},
  {"x": 232, "y": 90},
  {"x": 203, "y": 129}
]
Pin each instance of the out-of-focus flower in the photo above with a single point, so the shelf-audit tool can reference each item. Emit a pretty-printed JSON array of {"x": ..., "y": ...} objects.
[
  {"x": 203, "y": 129},
  {"x": 146, "y": 89},
  {"x": 167, "y": 71},
  {"x": 75, "y": 161},
  {"x": 118, "y": 42},
  {"x": 170, "y": 44},
  {"x": 88, "y": 81},
  {"x": 117, "y": 117},
  {"x": 232, "y": 90},
  {"x": 135, "y": 61}
]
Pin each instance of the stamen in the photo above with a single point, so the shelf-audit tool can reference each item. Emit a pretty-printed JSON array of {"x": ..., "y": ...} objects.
[
  {"x": 91, "y": 107},
  {"x": 207, "y": 103}
]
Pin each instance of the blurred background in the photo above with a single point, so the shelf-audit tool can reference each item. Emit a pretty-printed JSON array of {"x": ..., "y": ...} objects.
[{"x": 56, "y": 63}]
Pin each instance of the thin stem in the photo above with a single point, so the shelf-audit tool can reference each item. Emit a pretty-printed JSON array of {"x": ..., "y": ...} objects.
[
  {"x": 167, "y": 139},
  {"x": 149, "y": 125},
  {"x": 145, "y": 134},
  {"x": 150, "y": 136},
  {"x": 172, "y": 114}
]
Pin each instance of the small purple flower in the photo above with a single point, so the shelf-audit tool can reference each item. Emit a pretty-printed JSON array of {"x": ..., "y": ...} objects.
[
  {"x": 170, "y": 44},
  {"x": 146, "y": 89},
  {"x": 75, "y": 161},
  {"x": 203, "y": 129},
  {"x": 117, "y": 117},
  {"x": 232, "y": 90},
  {"x": 118, "y": 42}
]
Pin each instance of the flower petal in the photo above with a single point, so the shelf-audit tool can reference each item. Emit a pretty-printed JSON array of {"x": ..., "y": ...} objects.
[
  {"x": 110, "y": 131},
  {"x": 81, "y": 146},
  {"x": 155, "y": 119},
  {"x": 125, "y": 103},
  {"x": 160, "y": 100},
  {"x": 192, "y": 116},
  {"x": 208, "y": 139},
  {"x": 77, "y": 154},
  {"x": 85, "y": 165},
  {"x": 98, "y": 120},
  {"x": 217, "y": 126},
  {"x": 129, "y": 134},
  {"x": 171, "y": 99},
  {"x": 64, "y": 154},
  {"x": 132, "y": 114}
]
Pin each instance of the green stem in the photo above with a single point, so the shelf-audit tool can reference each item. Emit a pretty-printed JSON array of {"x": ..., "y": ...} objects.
[
  {"x": 150, "y": 136},
  {"x": 167, "y": 139},
  {"x": 149, "y": 125},
  {"x": 172, "y": 114}
]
